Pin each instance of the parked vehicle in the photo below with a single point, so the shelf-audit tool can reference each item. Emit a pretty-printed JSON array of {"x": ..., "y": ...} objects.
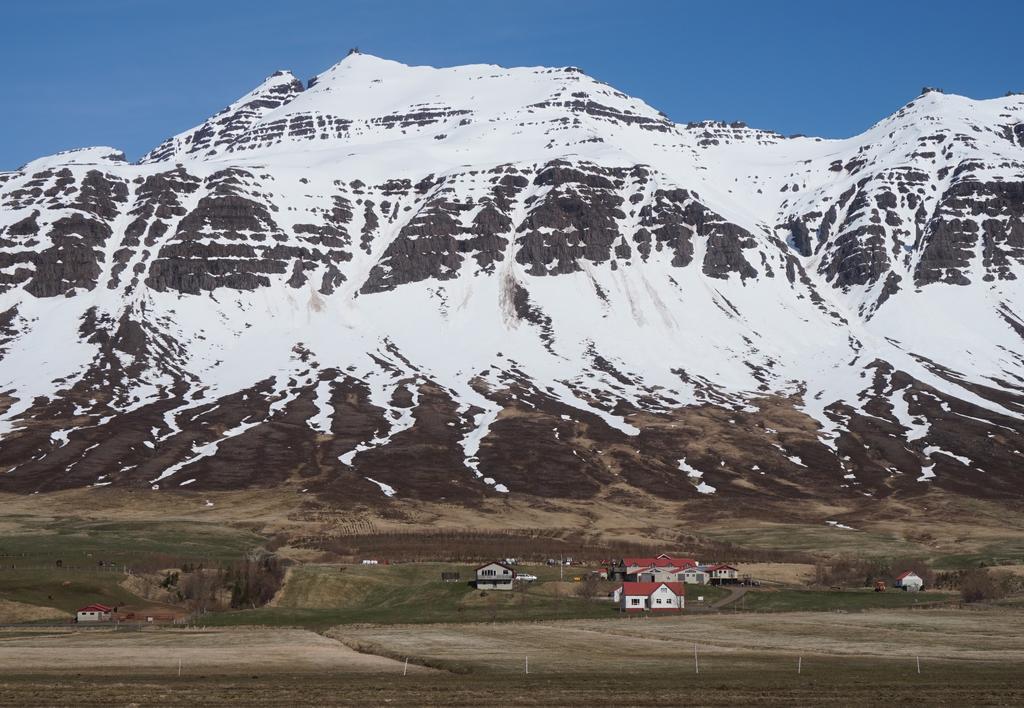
[{"x": 526, "y": 577}]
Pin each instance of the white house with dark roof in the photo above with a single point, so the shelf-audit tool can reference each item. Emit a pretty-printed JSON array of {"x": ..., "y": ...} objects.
[{"x": 495, "y": 576}]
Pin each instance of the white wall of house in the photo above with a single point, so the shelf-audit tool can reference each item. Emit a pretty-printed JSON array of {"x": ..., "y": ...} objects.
[
  {"x": 911, "y": 583},
  {"x": 657, "y": 575},
  {"x": 694, "y": 577},
  {"x": 633, "y": 602},
  {"x": 93, "y": 616},
  {"x": 661, "y": 599}
]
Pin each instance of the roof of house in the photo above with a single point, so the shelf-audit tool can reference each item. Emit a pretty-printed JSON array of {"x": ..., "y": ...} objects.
[
  {"x": 661, "y": 561},
  {"x": 649, "y": 588},
  {"x": 907, "y": 574},
  {"x": 500, "y": 565},
  {"x": 720, "y": 566},
  {"x": 96, "y": 608}
]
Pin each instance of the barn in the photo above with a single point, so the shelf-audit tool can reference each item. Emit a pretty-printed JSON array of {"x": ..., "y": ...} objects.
[
  {"x": 657, "y": 575},
  {"x": 94, "y": 613},
  {"x": 695, "y": 576},
  {"x": 909, "y": 581},
  {"x": 630, "y": 569}
]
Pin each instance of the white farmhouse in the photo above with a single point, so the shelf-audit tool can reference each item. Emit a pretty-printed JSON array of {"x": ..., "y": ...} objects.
[
  {"x": 909, "y": 581},
  {"x": 94, "y": 613},
  {"x": 650, "y": 597},
  {"x": 722, "y": 574},
  {"x": 495, "y": 576}
]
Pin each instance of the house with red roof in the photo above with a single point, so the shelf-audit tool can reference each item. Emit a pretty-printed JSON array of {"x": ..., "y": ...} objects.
[
  {"x": 909, "y": 581},
  {"x": 629, "y": 569},
  {"x": 94, "y": 613},
  {"x": 650, "y": 597},
  {"x": 722, "y": 574}
]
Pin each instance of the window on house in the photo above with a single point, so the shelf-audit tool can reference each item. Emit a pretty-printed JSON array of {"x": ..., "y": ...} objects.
[{"x": 634, "y": 600}]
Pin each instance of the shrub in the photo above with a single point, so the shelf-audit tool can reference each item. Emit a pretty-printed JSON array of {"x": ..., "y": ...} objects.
[{"x": 978, "y": 584}]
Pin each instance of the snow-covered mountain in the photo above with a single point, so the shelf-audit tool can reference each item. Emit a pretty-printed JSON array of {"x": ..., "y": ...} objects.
[{"x": 475, "y": 281}]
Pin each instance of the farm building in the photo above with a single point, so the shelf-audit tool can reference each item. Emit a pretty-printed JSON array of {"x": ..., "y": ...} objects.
[
  {"x": 94, "y": 613},
  {"x": 722, "y": 574},
  {"x": 694, "y": 576},
  {"x": 630, "y": 569},
  {"x": 495, "y": 576},
  {"x": 909, "y": 581},
  {"x": 657, "y": 575},
  {"x": 650, "y": 597}
]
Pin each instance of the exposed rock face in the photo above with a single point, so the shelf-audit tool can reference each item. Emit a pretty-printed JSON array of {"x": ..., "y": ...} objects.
[
  {"x": 973, "y": 215},
  {"x": 236, "y": 122},
  {"x": 452, "y": 284},
  {"x": 575, "y": 220}
]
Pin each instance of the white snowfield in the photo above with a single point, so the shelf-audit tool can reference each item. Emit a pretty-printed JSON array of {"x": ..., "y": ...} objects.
[{"x": 675, "y": 335}]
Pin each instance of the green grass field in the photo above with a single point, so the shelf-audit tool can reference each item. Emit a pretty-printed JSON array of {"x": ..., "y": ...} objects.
[
  {"x": 65, "y": 590},
  {"x": 323, "y": 595},
  {"x": 29, "y": 571},
  {"x": 830, "y": 600}
]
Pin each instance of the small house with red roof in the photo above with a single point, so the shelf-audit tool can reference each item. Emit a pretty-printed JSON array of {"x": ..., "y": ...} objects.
[
  {"x": 909, "y": 581},
  {"x": 650, "y": 597},
  {"x": 94, "y": 613},
  {"x": 722, "y": 574}
]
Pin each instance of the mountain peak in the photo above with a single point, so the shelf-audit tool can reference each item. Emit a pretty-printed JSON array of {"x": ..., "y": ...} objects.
[{"x": 218, "y": 132}]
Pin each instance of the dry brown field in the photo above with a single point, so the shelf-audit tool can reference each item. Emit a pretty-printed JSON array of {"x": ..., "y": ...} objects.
[{"x": 967, "y": 658}]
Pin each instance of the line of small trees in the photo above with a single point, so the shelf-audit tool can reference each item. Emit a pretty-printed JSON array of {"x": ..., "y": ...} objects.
[
  {"x": 252, "y": 582},
  {"x": 855, "y": 570},
  {"x": 980, "y": 584},
  {"x": 974, "y": 584}
]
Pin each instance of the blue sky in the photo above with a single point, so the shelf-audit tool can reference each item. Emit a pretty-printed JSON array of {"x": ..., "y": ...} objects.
[{"x": 128, "y": 73}]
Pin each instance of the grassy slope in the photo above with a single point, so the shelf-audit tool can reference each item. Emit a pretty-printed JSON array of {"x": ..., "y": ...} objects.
[
  {"x": 64, "y": 590},
  {"x": 28, "y": 558},
  {"x": 321, "y": 596}
]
